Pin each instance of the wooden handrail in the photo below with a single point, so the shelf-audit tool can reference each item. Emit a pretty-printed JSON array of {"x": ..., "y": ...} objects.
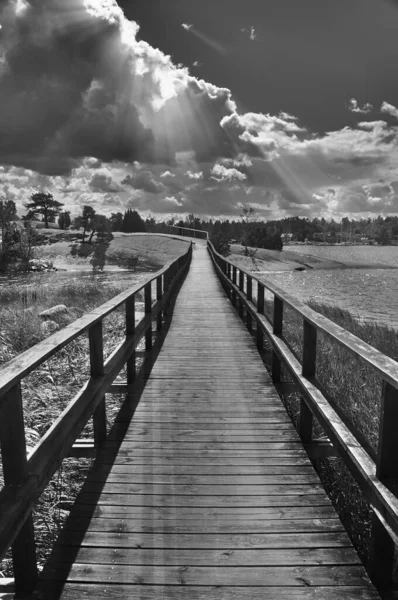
[
  {"x": 26, "y": 477},
  {"x": 203, "y": 234},
  {"x": 377, "y": 478}
]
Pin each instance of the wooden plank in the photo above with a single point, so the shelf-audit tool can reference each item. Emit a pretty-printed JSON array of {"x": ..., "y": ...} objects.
[
  {"x": 167, "y": 500},
  {"x": 199, "y": 527},
  {"x": 209, "y": 557},
  {"x": 206, "y": 490},
  {"x": 303, "y": 576},
  {"x": 166, "y": 540},
  {"x": 234, "y": 479},
  {"x": 226, "y": 514},
  {"x": 105, "y": 591}
]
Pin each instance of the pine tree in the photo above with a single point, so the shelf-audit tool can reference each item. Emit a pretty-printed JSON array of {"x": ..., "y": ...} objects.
[{"x": 42, "y": 203}]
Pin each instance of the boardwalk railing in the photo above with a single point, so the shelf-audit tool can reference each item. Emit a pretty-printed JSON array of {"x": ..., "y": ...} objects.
[
  {"x": 25, "y": 478},
  {"x": 378, "y": 476},
  {"x": 188, "y": 232}
]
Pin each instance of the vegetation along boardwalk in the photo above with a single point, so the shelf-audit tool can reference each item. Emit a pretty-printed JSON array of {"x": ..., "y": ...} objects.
[{"x": 209, "y": 494}]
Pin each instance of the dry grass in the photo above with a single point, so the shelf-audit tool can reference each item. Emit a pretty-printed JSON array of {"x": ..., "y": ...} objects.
[
  {"x": 50, "y": 387},
  {"x": 354, "y": 390}
]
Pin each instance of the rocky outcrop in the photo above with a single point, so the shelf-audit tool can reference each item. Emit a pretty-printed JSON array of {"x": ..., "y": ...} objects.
[
  {"x": 58, "y": 312},
  {"x": 39, "y": 265}
]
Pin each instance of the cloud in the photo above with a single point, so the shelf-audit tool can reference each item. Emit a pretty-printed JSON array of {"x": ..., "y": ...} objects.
[
  {"x": 355, "y": 108},
  {"x": 143, "y": 180},
  {"x": 389, "y": 109},
  {"x": 102, "y": 182},
  {"x": 76, "y": 81},
  {"x": 196, "y": 63},
  {"x": 173, "y": 201},
  {"x": 167, "y": 174},
  {"x": 197, "y": 175},
  {"x": 187, "y": 26},
  {"x": 251, "y": 32},
  {"x": 221, "y": 173}
]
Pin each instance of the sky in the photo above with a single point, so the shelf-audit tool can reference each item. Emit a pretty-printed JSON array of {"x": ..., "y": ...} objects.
[{"x": 173, "y": 107}]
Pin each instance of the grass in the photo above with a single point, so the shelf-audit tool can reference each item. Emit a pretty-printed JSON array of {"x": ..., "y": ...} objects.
[
  {"x": 354, "y": 390},
  {"x": 49, "y": 388}
]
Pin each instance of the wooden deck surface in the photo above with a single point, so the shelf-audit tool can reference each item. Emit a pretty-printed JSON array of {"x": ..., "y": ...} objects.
[{"x": 209, "y": 495}]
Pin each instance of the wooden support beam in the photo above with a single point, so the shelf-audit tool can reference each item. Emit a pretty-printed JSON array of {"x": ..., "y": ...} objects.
[
  {"x": 148, "y": 310},
  {"x": 96, "y": 371},
  {"x": 15, "y": 472},
  {"x": 387, "y": 454}
]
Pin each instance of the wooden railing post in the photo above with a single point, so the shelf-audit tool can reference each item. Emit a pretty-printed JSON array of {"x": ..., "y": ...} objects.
[
  {"x": 159, "y": 294},
  {"x": 387, "y": 454},
  {"x": 234, "y": 274},
  {"x": 382, "y": 553},
  {"x": 249, "y": 296},
  {"x": 148, "y": 310},
  {"x": 130, "y": 329},
  {"x": 260, "y": 298},
  {"x": 97, "y": 370},
  {"x": 241, "y": 287},
  {"x": 277, "y": 329},
  {"x": 260, "y": 310},
  {"x": 15, "y": 471},
  {"x": 308, "y": 370}
]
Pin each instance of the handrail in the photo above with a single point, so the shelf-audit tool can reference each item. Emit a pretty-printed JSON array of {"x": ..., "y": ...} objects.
[
  {"x": 377, "y": 478},
  {"x": 204, "y": 234},
  {"x": 26, "y": 477}
]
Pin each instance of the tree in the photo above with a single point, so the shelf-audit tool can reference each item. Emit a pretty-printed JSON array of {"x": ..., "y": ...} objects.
[
  {"x": 248, "y": 218},
  {"x": 101, "y": 225},
  {"x": 42, "y": 203},
  {"x": 64, "y": 220},
  {"x": 116, "y": 220},
  {"x": 85, "y": 220},
  {"x": 132, "y": 222}
]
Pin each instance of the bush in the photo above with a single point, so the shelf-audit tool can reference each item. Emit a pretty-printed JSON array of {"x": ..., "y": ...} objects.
[{"x": 221, "y": 244}]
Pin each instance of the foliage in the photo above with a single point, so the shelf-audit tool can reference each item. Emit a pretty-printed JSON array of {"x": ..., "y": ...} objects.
[
  {"x": 42, "y": 203},
  {"x": 116, "y": 220},
  {"x": 64, "y": 220},
  {"x": 17, "y": 246},
  {"x": 85, "y": 220},
  {"x": 133, "y": 222},
  {"x": 221, "y": 244}
]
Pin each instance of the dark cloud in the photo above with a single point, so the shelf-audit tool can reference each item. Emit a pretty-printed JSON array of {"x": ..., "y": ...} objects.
[
  {"x": 76, "y": 81},
  {"x": 101, "y": 182},
  {"x": 143, "y": 180}
]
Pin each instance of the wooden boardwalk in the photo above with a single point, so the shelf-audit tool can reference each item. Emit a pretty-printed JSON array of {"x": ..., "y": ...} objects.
[{"x": 209, "y": 495}]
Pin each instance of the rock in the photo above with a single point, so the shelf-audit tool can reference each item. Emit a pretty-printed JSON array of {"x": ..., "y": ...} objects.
[
  {"x": 60, "y": 311},
  {"x": 49, "y": 327}
]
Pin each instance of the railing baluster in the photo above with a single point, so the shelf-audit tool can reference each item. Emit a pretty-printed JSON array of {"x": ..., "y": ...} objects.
[
  {"x": 15, "y": 471},
  {"x": 260, "y": 298},
  {"x": 148, "y": 310},
  {"x": 308, "y": 370},
  {"x": 387, "y": 454},
  {"x": 97, "y": 370},
  {"x": 382, "y": 553},
  {"x": 249, "y": 288},
  {"x": 277, "y": 327},
  {"x": 234, "y": 274},
  {"x": 159, "y": 297},
  {"x": 241, "y": 286},
  {"x": 130, "y": 329}
]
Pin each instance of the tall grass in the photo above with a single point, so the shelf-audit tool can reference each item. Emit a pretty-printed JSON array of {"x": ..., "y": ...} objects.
[
  {"x": 354, "y": 390},
  {"x": 49, "y": 388}
]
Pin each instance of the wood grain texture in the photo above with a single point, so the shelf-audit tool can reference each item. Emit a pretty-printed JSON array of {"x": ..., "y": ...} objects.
[{"x": 207, "y": 492}]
